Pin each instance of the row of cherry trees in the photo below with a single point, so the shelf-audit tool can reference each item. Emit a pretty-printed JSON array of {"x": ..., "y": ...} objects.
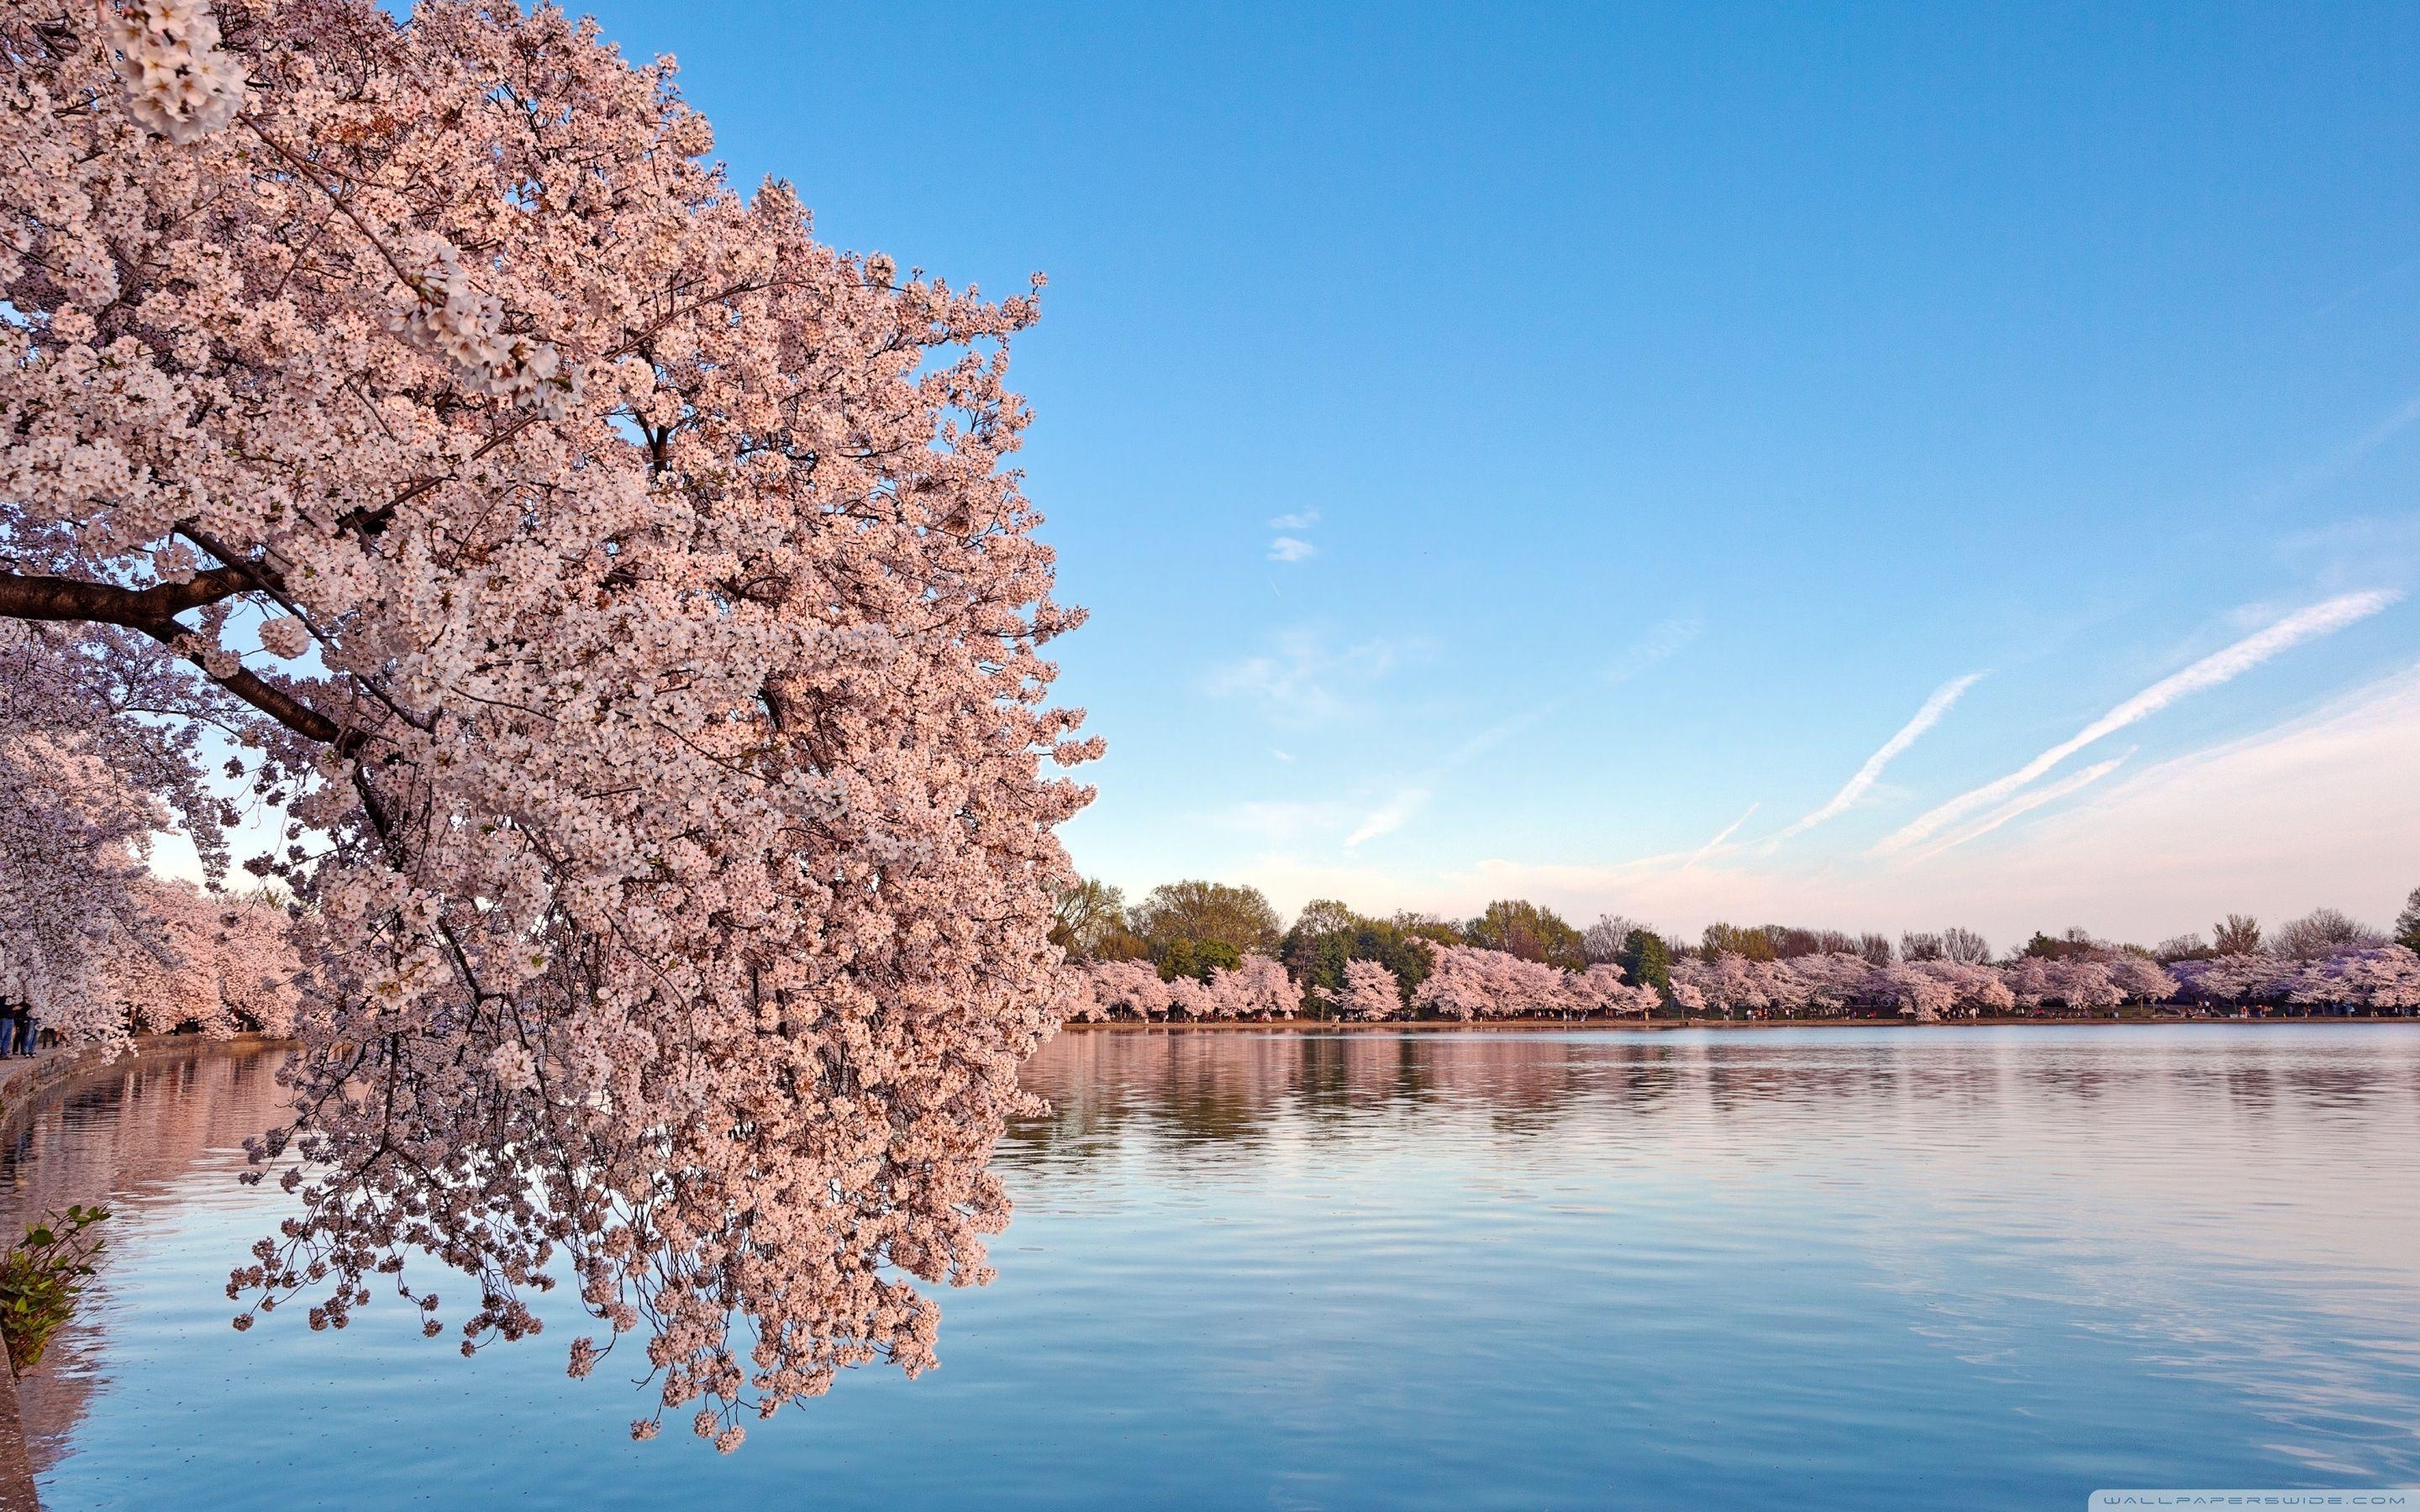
[{"x": 1470, "y": 982}]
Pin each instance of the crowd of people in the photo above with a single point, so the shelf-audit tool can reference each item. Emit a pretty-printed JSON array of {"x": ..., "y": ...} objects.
[{"x": 19, "y": 1028}]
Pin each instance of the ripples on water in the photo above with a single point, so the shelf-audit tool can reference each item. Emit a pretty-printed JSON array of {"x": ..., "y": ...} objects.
[{"x": 1852, "y": 1269}]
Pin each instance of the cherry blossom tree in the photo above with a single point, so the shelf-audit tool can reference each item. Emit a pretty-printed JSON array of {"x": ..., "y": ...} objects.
[
  {"x": 100, "y": 750},
  {"x": 2381, "y": 978},
  {"x": 629, "y": 601},
  {"x": 1371, "y": 992},
  {"x": 2385, "y": 981},
  {"x": 190, "y": 961},
  {"x": 1919, "y": 993},
  {"x": 1189, "y": 998},
  {"x": 1831, "y": 984},
  {"x": 2237, "y": 980},
  {"x": 1602, "y": 991},
  {"x": 1470, "y": 982},
  {"x": 1736, "y": 986},
  {"x": 1131, "y": 988},
  {"x": 2139, "y": 979},
  {"x": 1975, "y": 989},
  {"x": 1257, "y": 989}
]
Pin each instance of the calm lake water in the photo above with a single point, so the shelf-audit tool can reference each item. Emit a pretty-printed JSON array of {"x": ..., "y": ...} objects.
[{"x": 1855, "y": 1269}]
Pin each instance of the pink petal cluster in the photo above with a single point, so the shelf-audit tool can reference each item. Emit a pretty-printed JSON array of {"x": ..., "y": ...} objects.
[
  {"x": 1371, "y": 992},
  {"x": 440, "y": 311},
  {"x": 669, "y": 803},
  {"x": 178, "y": 80}
]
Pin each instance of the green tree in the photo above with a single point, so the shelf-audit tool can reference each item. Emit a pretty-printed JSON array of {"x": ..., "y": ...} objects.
[
  {"x": 1519, "y": 927},
  {"x": 1756, "y": 943},
  {"x": 1086, "y": 917},
  {"x": 1195, "y": 916},
  {"x": 1197, "y": 959},
  {"x": 1646, "y": 961},
  {"x": 2407, "y": 923},
  {"x": 1327, "y": 934}
]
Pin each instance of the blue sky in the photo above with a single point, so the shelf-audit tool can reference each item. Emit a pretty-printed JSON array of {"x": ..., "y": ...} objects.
[{"x": 1666, "y": 404}]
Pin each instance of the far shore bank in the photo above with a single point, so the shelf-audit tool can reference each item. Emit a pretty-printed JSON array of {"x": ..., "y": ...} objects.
[{"x": 1301, "y": 1025}]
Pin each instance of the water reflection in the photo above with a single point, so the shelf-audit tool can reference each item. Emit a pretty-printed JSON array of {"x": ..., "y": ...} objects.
[
  {"x": 122, "y": 1137},
  {"x": 1725, "y": 1087},
  {"x": 1841, "y": 1268}
]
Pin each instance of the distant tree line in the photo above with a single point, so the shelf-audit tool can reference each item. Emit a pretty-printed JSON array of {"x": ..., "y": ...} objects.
[{"x": 1207, "y": 950}]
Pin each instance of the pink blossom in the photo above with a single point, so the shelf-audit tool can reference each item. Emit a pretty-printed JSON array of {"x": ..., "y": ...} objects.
[{"x": 675, "y": 755}]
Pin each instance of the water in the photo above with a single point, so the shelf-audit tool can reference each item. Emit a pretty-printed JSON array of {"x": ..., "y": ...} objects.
[{"x": 1846, "y": 1268}]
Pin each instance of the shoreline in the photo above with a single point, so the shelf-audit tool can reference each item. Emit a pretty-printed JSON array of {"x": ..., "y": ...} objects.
[
  {"x": 29, "y": 1085},
  {"x": 1535, "y": 1026}
]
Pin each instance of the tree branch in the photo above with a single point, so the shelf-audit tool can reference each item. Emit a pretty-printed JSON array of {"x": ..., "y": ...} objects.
[
  {"x": 24, "y": 597},
  {"x": 153, "y": 611}
]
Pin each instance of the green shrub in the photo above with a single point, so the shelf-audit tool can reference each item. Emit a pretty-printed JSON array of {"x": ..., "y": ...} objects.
[{"x": 41, "y": 1278}]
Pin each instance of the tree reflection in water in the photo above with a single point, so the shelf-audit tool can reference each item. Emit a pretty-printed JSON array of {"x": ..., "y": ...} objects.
[{"x": 127, "y": 1137}]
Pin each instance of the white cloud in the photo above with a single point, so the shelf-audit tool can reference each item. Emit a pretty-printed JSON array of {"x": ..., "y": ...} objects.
[
  {"x": 1389, "y": 816},
  {"x": 1728, "y": 831},
  {"x": 1282, "y": 821},
  {"x": 1304, "y": 680},
  {"x": 1863, "y": 780},
  {"x": 2210, "y": 672},
  {"x": 1422, "y": 786},
  {"x": 2318, "y": 810},
  {"x": 1287, "y": 549},
  {"x": 2023, "y": 804},
  {"x": 1303, "y": 522},
  {"x": 1658, "y": 643}
]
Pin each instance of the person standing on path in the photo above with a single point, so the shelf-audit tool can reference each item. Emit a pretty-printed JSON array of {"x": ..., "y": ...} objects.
[
  {"x": 13, "y": 1017},
  {"x": 23, "y": 1028}
]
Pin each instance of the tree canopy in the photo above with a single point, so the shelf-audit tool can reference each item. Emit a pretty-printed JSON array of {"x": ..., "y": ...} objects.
[{"x": 626, "y": 607}]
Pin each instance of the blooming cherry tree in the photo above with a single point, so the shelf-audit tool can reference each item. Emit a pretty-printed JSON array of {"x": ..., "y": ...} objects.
[
  {"x": 1371, "y": 992},
  {"x": 1128, "y": 988},
  {"x": 1257, "y": 989},
  {"x": 629, "y": 600},
  {"x": 187, "y": 960}
]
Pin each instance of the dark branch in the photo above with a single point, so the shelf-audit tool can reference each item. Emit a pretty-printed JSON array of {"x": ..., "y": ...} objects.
[
  {"x": 153, "y": 611},
  {"x": 30, "y": 598}
]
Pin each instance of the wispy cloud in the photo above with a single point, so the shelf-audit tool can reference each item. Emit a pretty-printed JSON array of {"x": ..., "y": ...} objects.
[
  {"x": 1659, "y": 642},
  {"x": 2350, "y": 456},
  {"x": 2220, "y": 667},
  {"x": 2023, "y": 803},
  {"x": 1281, "y": 819},
  {"x": 1728, "y": 831},
  {"x": 1305, "y": 680},
  {"x": 1288, "y": 546},
  {"x": 1389, "y": 816},
  {"x": 2319, "y": 809},
  {"x": 1865, "y": 776}
]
